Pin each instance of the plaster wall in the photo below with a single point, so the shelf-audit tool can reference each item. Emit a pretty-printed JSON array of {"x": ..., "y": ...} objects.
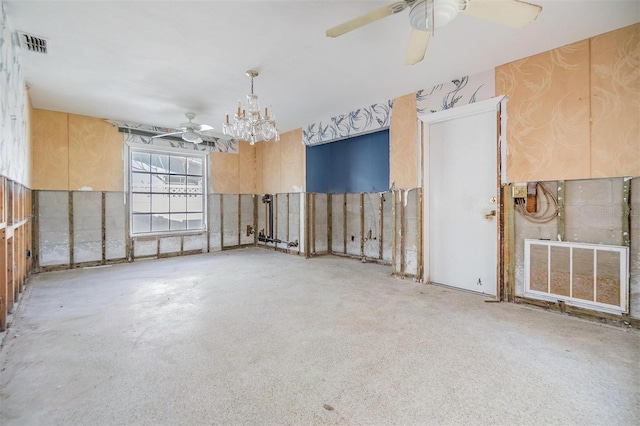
[{"x": 15, "y": 109}]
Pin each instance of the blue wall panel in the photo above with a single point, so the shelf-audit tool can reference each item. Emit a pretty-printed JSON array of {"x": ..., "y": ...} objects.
[{"x": 358, "y": 164}]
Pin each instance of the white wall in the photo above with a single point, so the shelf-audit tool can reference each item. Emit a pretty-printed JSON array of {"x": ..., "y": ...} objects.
[{"x": 14, "y": 145}]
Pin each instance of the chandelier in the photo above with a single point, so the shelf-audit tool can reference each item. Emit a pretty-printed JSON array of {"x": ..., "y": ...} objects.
[{"x": 248, "y": 123}]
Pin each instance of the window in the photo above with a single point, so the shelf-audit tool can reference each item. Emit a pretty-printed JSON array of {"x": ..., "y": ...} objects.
[{"x": 167, "y": 191}]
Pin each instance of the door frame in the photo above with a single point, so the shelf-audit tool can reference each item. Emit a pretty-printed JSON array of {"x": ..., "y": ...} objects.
[{"x": 497, "y": 104}]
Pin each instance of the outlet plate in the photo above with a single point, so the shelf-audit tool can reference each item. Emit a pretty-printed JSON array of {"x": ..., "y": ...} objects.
[{"x": 519, "y": 191}]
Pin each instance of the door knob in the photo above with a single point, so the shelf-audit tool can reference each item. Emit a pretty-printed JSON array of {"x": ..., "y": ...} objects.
[{"x": 489, "y": 215}]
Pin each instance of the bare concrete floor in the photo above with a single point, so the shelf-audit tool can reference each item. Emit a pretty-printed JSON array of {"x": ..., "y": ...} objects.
[{"x": 257, "y": 337}]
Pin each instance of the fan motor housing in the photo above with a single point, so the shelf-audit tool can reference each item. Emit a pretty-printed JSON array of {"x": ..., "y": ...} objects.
[{"x": 444, "y": 12}]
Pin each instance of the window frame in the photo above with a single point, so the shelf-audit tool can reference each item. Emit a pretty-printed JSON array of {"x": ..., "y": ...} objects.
[{"x": 129, "y": 193}]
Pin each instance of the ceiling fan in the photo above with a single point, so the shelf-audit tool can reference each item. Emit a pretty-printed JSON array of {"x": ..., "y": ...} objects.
[
  {"x": 189, "y": 131},
  {"x": 425, "y": 15}
]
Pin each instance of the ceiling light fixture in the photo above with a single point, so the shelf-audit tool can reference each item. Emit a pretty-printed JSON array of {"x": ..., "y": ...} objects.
[{"x": 248, "y": 123}]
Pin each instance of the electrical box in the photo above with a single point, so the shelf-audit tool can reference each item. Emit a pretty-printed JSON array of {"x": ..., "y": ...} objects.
[{"x": 519, "y": 191}]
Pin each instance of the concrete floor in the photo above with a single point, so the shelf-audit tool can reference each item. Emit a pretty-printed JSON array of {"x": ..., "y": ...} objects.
[{"x": 257, "y": 337}]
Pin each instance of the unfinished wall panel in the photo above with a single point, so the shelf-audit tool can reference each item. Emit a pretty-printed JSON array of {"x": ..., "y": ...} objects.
[
  {"x": 263, "y": 225},
  {"x": 320, "y": 224},
  {"x": 169, "y": 244},
  {"x": 87, "y": 226},
  {"x": 372, "y": 231},
  {"x": 230, "y": 220},
  {"x": 281, "y": 218},
  {"x": 353, "y": 225},
  {"x": 593, "y": 214},
  {"x": 115, "y": 233},
  {"x": 525, "y": 229},
  {"x": 246, "y": 219},
  {"x": 411, "y": 236},
  {"x": 145, "y": 247},
  {"x": 387, "y": 225},
  {"x": 593, "y": 209},
  {"x": 195, "y": 242},
  {"x": 634, "y": 254},
  {"x": 337, "y": 224},
  {"x": 53, "y": 220},
  {"x": 215, "y": 222},
  {"x": 295, "y": 220}
]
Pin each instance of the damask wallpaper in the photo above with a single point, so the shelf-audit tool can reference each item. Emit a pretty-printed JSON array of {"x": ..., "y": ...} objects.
[{"x": 14, "y": 141}]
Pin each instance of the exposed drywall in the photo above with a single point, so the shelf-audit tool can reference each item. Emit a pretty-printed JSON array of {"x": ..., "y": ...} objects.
[
  {"x": 53, "y": 227},
  {"x": 592, "y": 214},
  {"x": 634, "y": 253},
  {"x": 215, "y": 221},
  {"x": 115, "y": 220},
  {"x": 87, "y": 226},
  {"x": 406, "y": 259},
  {"x": 319, "y": 224},
  {"x": 338, "y": 236},
  {"x": 230, "y": 220},
  {"x": 95, "y": 232}
]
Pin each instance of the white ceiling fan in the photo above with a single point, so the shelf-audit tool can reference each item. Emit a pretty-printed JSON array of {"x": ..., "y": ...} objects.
[
  {"x": 425, "y": 15},
  {"x": 192, "y": 132}
]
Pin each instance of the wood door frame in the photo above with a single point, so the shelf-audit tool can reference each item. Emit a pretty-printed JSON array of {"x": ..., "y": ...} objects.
[{"x": 497, "y": 104}]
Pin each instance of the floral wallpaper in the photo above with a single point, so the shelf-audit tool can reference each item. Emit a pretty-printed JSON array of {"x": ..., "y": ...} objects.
[
  {"x": 212, "y": 144},
  {"x": 464, "y": 90},
  {"x": 460, "y": 91},
  {"x": 360, "y": 121},
  {"x": 14, "y": 163}
]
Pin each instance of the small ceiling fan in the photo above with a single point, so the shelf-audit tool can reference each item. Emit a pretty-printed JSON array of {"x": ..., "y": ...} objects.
[
  {"x": 425, "y": 15},
  {"x": 189, "y": 131}
]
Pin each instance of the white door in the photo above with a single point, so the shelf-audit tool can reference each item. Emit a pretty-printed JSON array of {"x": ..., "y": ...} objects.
[{"x": 462, "y": 214}]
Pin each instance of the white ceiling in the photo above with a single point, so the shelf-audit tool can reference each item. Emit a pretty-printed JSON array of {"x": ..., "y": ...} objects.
[{"x": 151, "y": 61}]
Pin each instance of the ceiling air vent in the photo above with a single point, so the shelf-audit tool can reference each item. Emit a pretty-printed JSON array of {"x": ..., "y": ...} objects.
[{"x": 33, "y": 43}]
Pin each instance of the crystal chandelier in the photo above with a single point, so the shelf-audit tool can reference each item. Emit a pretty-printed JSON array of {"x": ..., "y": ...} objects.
[{"x": 248, "y": 123}]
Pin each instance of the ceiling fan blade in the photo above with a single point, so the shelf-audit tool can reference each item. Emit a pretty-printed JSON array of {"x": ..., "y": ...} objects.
[
  {"x": 367, "y": 18},
  {"x": 166, "y": 134},
  {"x": 417, "y": 46},
  {"x": 513, "y": 13},
  {"x": 204, "y": 128}
]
